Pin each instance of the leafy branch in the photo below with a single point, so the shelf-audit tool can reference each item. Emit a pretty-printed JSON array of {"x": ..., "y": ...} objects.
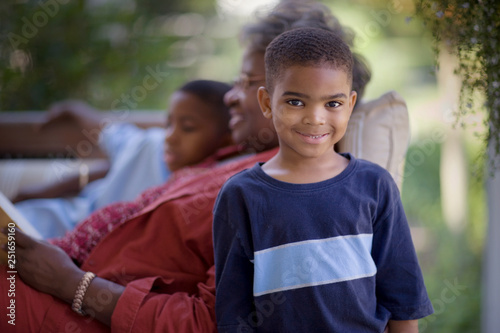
[{"x": 470, "y": 30}]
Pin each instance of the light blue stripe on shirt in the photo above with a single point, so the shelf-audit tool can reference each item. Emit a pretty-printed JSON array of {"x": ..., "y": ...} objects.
[{"x": 312, "y": 263}]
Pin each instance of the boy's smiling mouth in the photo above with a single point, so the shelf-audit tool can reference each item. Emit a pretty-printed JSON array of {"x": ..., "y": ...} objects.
[{"x": 313, "y": 138}]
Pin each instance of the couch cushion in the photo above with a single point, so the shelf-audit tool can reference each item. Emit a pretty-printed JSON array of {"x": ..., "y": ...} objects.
[{"x": 379, "y": 131}]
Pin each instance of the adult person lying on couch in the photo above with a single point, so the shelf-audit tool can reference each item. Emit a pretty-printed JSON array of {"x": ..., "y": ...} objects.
[{"x": 153, "y": 257}]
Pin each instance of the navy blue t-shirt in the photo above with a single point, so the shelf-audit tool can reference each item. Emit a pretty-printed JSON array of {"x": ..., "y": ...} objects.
[{"x": 332, "y": 256}]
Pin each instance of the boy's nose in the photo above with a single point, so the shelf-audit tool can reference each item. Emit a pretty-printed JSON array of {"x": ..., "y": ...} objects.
[
  {"x": 315, "y": 116},
  {"x": 170, "y": 136}
]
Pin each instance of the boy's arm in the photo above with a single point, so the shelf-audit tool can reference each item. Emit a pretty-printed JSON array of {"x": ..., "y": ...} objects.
[
  {"x": 67, "y": 186},
  {"x": 233, "y": 268},
  {"x": 403, "y": 326},
  {"x": 400, "y": 285},
  {"x": 88, "y": 118}
]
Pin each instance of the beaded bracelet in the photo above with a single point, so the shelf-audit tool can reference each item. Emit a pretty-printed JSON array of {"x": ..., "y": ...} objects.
[{"x": 83, "y": 285}]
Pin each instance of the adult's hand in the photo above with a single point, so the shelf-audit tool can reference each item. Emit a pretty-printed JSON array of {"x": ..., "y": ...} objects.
[
  {"x": 49, "y": 269},
  {"x": 46, "y": 267}
]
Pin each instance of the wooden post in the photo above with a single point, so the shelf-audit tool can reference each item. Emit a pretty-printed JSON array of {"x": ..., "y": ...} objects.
[{"x": 490, "y": 320}]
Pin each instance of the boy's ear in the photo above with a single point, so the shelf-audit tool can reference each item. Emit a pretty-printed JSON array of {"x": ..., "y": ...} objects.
[
  {"x": 352, "y": 99},
  {"x": 264, "y": 102}
]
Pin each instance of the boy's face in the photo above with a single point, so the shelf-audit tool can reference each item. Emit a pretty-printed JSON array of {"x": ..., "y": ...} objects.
[
  {"x": 248, "y": 126},
  {"x": 310, "y": 108},
  {"x": 192, "y": 131}
]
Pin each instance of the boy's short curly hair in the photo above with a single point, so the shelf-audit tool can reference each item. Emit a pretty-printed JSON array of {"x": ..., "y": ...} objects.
[
  {"x": 212, "y": 93},
  {"x": 310, "y": 47},
  {"x": 291, "y": 14}
]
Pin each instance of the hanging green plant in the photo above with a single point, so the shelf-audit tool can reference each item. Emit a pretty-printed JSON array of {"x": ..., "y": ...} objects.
[{"x": 470, "y": 30}]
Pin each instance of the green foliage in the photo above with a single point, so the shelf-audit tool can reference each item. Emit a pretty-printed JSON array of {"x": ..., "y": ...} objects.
[
  {"x": 450, "y": 261},
  {"x": 470, "y": 30},
  {"x": 114, "y": 54}
]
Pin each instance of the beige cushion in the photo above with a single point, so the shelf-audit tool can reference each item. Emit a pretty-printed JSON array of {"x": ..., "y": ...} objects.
[{"x": 379, "y": 131}]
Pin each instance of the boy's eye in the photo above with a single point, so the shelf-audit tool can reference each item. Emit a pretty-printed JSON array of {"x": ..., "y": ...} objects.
[
  {"x": 333, "y": 104},
  {"x": 188, "y": 129},
  {"x": 295, "y": 102}
]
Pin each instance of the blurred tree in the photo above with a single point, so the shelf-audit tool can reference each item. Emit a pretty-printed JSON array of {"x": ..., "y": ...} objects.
[
  {"x": 111, "y": 53},
  {"x": 470, "y": 30}
]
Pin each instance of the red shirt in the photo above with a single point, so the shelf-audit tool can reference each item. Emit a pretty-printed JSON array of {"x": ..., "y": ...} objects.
[{"x": 164, "y": 257}]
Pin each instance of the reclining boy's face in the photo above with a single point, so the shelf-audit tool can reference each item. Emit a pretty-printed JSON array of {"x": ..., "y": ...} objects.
[
  {"x": 193, "y": 131},
  {"x": 310, "y": 107}
]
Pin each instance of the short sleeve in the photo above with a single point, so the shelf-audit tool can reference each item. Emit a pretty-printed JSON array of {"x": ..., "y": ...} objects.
[{"x": 400, "y": 285}]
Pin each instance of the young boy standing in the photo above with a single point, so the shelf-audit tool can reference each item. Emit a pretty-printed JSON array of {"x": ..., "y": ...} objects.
[{"x": 313, "y": 240}]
